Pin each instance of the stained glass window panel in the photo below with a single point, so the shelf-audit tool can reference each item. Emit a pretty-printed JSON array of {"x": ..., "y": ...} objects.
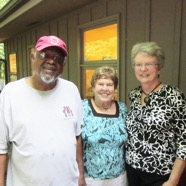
[{"x": 101, "y": 43}]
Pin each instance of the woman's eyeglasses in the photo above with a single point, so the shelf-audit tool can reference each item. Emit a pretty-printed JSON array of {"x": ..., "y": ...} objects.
[{"x": 147, "y": 65}]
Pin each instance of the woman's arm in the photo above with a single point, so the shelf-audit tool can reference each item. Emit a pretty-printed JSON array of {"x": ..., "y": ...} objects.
[{"x": 178, "y": 168}]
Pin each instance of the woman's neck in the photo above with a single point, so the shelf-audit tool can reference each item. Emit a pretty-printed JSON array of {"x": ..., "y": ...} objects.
[
  {"x": 147, "y": 88},
  {"x": 103, "y": 107}
]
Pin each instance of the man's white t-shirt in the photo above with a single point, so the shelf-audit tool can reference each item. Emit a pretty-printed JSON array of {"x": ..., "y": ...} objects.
[{"x": 42, "y": 127}]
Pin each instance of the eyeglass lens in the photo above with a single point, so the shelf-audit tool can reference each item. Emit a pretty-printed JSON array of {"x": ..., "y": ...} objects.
[{"x": 55, "y": 58}]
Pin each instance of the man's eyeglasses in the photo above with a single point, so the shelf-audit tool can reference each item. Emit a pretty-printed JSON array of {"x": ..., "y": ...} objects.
[
  {"x": 147, "y": 65},
  {"x": 55, "y": 58}
]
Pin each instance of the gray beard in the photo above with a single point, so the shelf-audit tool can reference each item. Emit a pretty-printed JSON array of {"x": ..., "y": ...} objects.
[{"x": 47, "y": 79}]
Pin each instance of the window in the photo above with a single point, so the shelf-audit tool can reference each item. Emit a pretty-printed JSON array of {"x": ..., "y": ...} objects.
[
  {"x": 99, "y": 47},
  {"x": 101, "y": 43},
  {"x": 12, "y": 67},
  {"x": 87, "y": 89}
]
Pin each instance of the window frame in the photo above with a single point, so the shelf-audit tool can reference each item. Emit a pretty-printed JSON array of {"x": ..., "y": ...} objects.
[
  {"x": 13, "y": 76},
  {"x": 92, "y": 65}
]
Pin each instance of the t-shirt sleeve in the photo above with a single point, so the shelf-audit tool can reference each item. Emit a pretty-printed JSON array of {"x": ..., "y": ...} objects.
[
  {"x": 79, "y": 111},
  {"x": 3, "y": 128}
]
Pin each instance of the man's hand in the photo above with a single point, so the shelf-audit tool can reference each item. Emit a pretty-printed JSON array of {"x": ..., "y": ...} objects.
[
  {"x": 3, "y": 166},
  {"x": 79, "y": 158},
  {"x": 81, "y": 181}
]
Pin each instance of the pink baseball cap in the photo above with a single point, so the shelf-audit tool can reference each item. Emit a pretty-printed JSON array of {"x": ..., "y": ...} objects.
[{"x": 51, "y": 41}]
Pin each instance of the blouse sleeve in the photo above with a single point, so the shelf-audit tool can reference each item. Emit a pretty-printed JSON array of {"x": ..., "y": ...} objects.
[{"x": 179, "y": 106}]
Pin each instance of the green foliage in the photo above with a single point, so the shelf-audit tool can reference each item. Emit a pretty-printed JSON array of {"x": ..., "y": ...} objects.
[
  {"x": 2, "y": 54},
  {"x": 2, "y": 64},
  {"x": 3, "y": 3}
]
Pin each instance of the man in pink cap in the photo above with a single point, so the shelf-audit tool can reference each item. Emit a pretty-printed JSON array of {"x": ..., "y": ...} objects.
[{"x": 40, "y": 123}]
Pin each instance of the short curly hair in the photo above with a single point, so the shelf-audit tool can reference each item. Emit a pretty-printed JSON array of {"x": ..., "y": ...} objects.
[{"x": 104, "y": 72}]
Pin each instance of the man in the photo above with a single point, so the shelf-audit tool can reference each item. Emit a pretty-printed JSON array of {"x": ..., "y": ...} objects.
[{"x": 40, "y": 118}]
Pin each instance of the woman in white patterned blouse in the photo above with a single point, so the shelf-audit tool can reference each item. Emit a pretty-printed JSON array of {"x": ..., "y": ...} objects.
[{"x": 156, "y": 123}]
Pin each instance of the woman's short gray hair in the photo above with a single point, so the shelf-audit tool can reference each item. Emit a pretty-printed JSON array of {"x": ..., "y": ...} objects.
[{"x": 149, "y": 49}]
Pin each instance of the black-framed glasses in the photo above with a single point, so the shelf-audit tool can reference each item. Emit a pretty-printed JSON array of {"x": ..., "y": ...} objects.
[{"x": 55, "y": 58}]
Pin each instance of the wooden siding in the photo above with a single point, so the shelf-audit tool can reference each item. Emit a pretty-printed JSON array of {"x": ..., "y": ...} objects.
[{"x": 163, "y": 21}]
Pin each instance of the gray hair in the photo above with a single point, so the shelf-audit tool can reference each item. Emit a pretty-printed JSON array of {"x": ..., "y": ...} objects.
[{"x": 149, "y": 49}]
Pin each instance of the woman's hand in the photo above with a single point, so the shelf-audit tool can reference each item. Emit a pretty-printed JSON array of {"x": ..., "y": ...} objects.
[{"x": 169, "y": 183}]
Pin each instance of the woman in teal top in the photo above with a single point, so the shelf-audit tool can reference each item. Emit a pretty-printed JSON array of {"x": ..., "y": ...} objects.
[{"x": 104, "y": 132}]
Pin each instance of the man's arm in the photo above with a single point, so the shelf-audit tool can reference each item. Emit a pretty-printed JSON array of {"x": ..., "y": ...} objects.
[
  {"x": 79, "y": 158},
  {"x": 179, "y": 166},
  {"x": 3, "y": 166}
]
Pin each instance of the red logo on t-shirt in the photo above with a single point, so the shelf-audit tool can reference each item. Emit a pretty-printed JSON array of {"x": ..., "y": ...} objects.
[{"x": 67, "y": 111}]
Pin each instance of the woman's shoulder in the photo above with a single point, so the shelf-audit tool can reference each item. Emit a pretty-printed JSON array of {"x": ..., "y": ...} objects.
[
  {"x": 173, "y": 95},
  {"x": 136, "y": 89},
  {"x": 85, "y": 101},
  {"x": 135, "y": 93},
  {"x": 121, "y": 105},
  {"x": 172, "y": 89}
]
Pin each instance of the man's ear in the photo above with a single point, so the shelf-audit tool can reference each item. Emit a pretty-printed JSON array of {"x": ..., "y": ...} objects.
[
  {"x": 64, "y": 62},
  {"x": 32, "y": 57}
]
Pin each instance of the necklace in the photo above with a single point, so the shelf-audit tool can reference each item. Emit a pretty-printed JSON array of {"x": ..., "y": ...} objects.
[
  {"x": 102, "y": 107},
  {"x": 146, "y": 99}
]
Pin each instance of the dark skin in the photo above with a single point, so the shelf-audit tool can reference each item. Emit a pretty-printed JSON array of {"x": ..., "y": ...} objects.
[
  {"x": 3, "y": 167},
  {"x": 49, "y": 70},
  {"x": 79, "y": 155},
  {"x": 52, "y": 70},
  {"x": 48, "y": 67}
]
